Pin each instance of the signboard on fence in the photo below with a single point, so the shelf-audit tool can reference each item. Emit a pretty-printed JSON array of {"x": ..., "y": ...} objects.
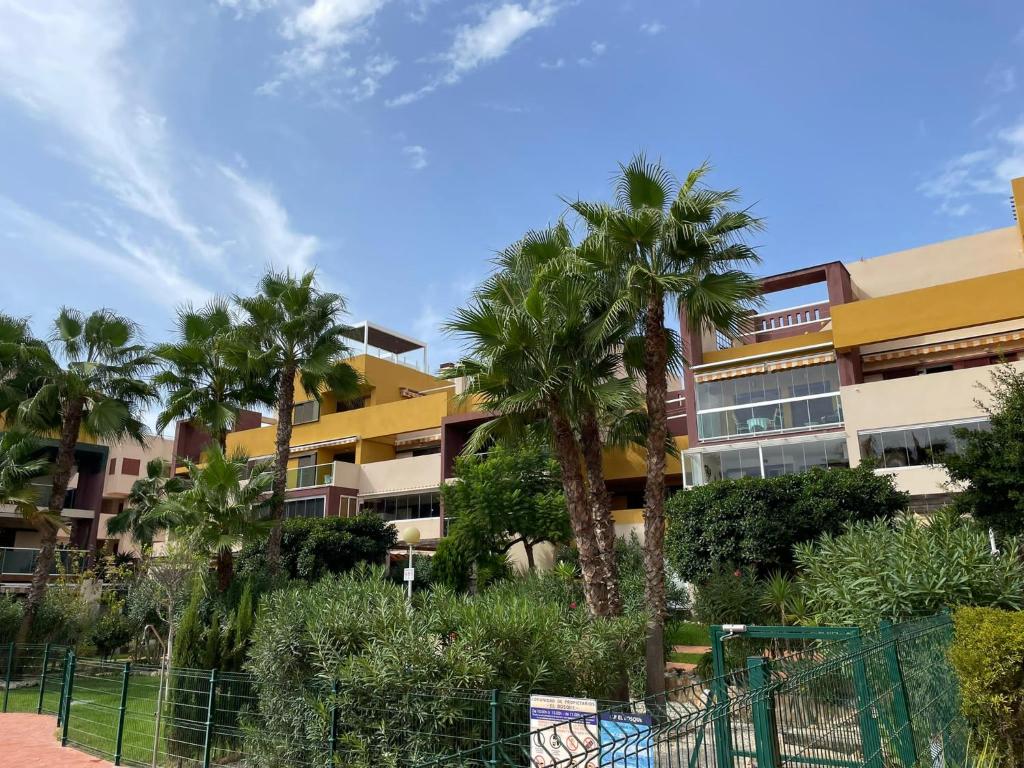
[
  {"x": 563, "y": 732},
  {"x": 626, "y": 740},
  {"x": 568, "y": 732}
]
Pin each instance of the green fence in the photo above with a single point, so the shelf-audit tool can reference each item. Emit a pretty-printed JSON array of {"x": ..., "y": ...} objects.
[{"x": 804, "y": 697}]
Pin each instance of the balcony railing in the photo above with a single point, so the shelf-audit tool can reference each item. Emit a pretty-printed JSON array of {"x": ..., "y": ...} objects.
[
  {"x": 21, "y": 561},
  {"x": 307, "y": 477}
]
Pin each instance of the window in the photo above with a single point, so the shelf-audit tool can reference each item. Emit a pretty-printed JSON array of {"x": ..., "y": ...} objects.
[
  {"x": 803, "y": 398},
  {"x": 407, "y": 507},
  {"x": 914, "y": 446},
  {"x": 304, "y": 413},
  {"x": 769, "y": 459},
  {"x": 312, "y": 507},
  {"x": 130, "y": 467},
  {"x": 112, "y": 466}
]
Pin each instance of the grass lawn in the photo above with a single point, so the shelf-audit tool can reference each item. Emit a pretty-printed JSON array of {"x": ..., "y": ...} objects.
[
  {"x": 687, "y": 633},
  {"x": 686, "y": 658}
]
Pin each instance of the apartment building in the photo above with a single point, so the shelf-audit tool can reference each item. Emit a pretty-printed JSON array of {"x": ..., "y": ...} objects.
[{"x": 883, "y": 365}]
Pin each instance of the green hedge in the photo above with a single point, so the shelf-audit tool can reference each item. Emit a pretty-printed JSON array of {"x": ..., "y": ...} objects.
[
  {"x": 988, "y": 655},
  {"x": 754, "y": 523}
]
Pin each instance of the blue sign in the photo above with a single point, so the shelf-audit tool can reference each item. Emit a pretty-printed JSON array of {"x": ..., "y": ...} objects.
[{"x": 626, "y": 740}]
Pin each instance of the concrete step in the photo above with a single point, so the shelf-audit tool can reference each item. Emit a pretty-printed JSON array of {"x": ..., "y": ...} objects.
[{"x": 702, "y": 649}]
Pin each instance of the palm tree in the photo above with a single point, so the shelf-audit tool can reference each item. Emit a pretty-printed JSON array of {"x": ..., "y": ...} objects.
[
  {"x": 90, "y": 380},
  {"x": 140, "y": 517},
  {"x": 683, "y": 243},
  {"x": 206, "y": 376},
  {"x": 220, "y": 508},
  {"x": 295, "y": 331},
  {"x": 20, "y": 466},
  {"x": 537, "y": 356}
]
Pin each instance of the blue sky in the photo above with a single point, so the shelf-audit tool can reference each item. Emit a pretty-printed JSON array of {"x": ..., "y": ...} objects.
[{"x": 158, "y": 152}]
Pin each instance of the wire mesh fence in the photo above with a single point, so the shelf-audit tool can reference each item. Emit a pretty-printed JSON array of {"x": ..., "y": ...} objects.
[{"x": 887, "y": 699}]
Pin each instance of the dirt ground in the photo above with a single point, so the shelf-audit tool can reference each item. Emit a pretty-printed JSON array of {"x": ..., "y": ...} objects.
[{"x": 28, "y": 741}]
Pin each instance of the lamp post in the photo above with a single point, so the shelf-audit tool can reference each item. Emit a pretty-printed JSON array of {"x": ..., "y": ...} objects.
[{"x": 410, "y": 536}]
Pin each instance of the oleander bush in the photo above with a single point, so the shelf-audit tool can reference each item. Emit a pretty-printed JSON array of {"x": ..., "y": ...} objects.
[
  {"x": 988, "y": 655},
  {"x": 420, "y": 668},
  {"x": 906, "y": 568},
  {"x": 753, "y": 523}
]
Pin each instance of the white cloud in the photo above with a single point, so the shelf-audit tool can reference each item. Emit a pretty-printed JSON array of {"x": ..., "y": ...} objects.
[
  {"x": 985, "y": 171},
  {"x": 61, "y": 61},
  {"x": 416, "y": 155},
  {"x": 475, "y": 45},
  {"x": 167, "y": 210},
  {"x": 35, "y": 239},
  {"x": 597, "y": 50},
  {"x": 1002, "y": 80},
  {"x": 375, "y": 69},
  {"x": 268, "y": 228},
  {"x": 243, "y": 7},
  {"x": 555, "y": 64},
  {"x": 652, "y": 28},
  {"x": 420, "y": 9},
  {"x": 319, "y": 34}
]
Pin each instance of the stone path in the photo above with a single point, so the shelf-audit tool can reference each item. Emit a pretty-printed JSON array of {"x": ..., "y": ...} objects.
[{"x": 29, "y": 741}]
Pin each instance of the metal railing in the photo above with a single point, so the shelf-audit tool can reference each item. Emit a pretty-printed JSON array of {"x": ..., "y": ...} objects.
[
  {"x": 21, "y": 561},
  {"x": 825, "y": 697}
]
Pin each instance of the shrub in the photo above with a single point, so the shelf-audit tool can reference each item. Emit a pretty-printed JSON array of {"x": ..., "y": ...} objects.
[
  {"x": 64, "y": 616},
  {"x": 906, "y": 568},
  {"x": 988, "y": 655},
  {"x": 10, "y": 618},
  {"x": 754, "y": 523},
  {"x": 730, "y": 596},
  {"x": 111, "y": 631},
  {"x": 314, "y": 547},
  {"x": 358, "y": 629}
]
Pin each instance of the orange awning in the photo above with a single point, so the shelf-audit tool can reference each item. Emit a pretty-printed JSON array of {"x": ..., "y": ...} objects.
[{"x": 767, "y": 367}]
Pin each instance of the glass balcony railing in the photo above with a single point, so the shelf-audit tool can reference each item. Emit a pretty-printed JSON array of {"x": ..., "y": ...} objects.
[
  {"x": 818, "y": 412},
  {"x": 21, "y": 561},
  {"x": 307, "y": 477}
]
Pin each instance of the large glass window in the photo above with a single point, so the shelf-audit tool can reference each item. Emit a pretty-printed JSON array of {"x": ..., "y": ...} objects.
[
  {"x": 801, "y": 398},
  {"x": 406, "y": 507},
  {"x": 914, "y": 446},
  {"x": 304, "y": 507},
  {"x": 304, "y": 413},
  {"x": 765, "y": 460}
]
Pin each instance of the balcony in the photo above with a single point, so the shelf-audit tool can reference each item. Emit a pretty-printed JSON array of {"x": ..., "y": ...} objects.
[
  {"x": 339, "y": 473},
  {"x": 21, "y": 561}
]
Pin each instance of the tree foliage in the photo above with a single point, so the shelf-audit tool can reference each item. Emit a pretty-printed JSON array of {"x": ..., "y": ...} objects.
[
  {"x": 754, "y": 523},
  {"x": 511, "y": 496},
  {"x": 142, "y": 516},
  {"x": 990, "y": 463},
  {"x": 906, "y": 568},
  {"x": 312, "y": 548}
]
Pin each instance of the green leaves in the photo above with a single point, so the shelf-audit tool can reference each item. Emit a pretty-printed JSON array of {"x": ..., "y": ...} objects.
[{"x": 882, "y": 570}]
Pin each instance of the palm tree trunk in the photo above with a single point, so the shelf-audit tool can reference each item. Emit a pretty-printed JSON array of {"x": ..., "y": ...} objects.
[
  {"x": 655, "y": 371},
  {"x": 595, "y": 585},
  {"x": 601, "y": 506},
  {"x": 47, "y": 524},
  {"x": 225, "y": 568},
  {"x": 285, "y": 403}
]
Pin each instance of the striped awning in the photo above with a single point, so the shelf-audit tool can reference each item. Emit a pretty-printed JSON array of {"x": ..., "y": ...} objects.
[
  {"x": 767, "y": 367},
  {"x": 960, "y": 345}
]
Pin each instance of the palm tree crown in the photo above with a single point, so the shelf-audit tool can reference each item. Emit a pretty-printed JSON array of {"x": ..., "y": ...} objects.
[
  {"x": 206, "y": 376},
  {"x": 20, "y": 466},
  {"x": 141, "y": 518}
]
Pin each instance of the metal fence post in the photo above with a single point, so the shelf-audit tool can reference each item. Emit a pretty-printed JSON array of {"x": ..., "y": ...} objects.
[
  {"x": 866, "y": 714},
  {"x": 720, "y": 691},
  {"x": 901, "y": 709},
  {"x": 67, "y": 699},
  {"x": 42, "y": 679},
  {"x": 7, "y": 674},
  {"x": 332, "y": 726},
  {"x": 762, "y": 705},
  {"x": 63, "y": 686},
  {"x": 210, "y": 703},
  {"x": 494, "y": 728},
  {"x": 122, "y": 708}
]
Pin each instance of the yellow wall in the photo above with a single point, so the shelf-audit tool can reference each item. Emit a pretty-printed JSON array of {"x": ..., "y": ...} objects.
[
  {"x": 1017, "y": 185},
  {"x": 387, "y": 378},
  {"x": 961, "y": 304},
  {"x": 368, "y": 451},
  {"x": 775, "y": 346},
  {"x": 373, "y": 422},
  {"x": 624, "y": 463}
]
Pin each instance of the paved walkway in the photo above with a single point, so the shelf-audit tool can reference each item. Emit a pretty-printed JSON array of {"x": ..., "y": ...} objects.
[{"x": 29, "y": 741}]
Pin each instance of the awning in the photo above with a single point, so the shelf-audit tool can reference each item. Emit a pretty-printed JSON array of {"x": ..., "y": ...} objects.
[
  {"x": 766, "y": 367},
  {"x": 994, "y": 340}
]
